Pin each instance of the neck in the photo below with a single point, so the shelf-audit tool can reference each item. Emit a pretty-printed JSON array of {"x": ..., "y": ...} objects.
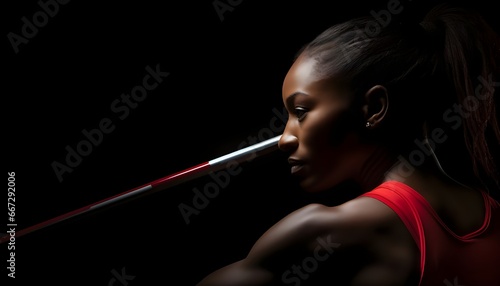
[
  {"x": 374, "y": 171},
  {"x": 406, "y": 172}
]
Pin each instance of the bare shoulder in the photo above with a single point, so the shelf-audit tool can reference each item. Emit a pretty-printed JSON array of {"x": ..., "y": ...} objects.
[
  {"x": 315, "y": 233},
  {"x": 351, "y": 223},
  {"x": 347, "y": 223}
]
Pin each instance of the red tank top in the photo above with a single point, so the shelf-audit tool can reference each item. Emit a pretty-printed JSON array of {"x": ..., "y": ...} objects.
[{"x": 446, "y": 259}]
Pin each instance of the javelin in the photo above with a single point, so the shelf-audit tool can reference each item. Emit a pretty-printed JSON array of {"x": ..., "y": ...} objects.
[{"x": 219, "y": 163}]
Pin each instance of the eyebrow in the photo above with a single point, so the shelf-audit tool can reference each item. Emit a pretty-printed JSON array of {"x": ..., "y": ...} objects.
[{"x": 291, "y": 97}]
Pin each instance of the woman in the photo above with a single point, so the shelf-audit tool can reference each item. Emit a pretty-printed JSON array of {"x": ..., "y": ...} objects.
[{"x": 389, "y": 111}]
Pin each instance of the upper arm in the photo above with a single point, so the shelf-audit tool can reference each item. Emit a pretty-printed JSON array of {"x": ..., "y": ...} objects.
[
  {"x": 270, "y": 256},
  {"x": 353, "y": 242},
  {"x": 238, "y": 273}
]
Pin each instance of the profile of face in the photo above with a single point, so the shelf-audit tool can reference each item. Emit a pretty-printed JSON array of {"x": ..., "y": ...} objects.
[{"x": 322, "y": 134}]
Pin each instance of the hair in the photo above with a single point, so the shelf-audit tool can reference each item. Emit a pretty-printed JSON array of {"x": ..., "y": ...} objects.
[{"x": 431, "y": 69}]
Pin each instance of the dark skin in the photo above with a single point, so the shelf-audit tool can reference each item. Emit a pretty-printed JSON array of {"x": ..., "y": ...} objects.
[{"x": 362, "y": 241}]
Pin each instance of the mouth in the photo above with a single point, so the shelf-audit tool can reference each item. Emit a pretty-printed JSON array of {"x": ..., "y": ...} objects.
[{"x": 297, "y": 165}]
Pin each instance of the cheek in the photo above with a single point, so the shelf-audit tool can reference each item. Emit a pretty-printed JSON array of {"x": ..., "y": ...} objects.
[
  {"x": 329, "y": 139},
  {"x": 335, "y": 159},
  {"x": 331, "y": 166},
  {"x": 328, "y": 128}
]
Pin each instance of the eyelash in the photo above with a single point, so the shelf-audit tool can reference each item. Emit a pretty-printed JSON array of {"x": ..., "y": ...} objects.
[{"x": 300, "y": 113}]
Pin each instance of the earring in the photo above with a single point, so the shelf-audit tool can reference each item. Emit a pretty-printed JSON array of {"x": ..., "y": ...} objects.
[{"x": 368, "y": 124}]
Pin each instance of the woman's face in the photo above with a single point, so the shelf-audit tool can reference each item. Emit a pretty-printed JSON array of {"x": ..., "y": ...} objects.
[{"x": 321, "y": 131}]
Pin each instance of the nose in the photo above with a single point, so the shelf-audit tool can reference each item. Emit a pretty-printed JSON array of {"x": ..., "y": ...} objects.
[{"x": 288, "y": 141}]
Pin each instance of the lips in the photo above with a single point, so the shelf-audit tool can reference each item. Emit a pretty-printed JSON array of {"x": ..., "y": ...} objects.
[
  {"x": 297, "y": 165},
  {"x": 296, "y": 168}
]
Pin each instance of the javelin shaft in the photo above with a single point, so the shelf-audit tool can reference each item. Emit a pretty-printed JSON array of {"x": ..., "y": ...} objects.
[{"x": 240, "y": 156}]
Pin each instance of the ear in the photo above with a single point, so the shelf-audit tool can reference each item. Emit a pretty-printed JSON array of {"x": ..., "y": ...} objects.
[{"x": 376, "y": 105}]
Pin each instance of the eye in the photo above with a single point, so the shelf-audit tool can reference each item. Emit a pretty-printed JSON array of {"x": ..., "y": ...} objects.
[{"x": 300, "y": 112}]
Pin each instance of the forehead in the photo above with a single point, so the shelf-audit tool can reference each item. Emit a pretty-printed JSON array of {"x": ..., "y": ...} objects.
[
  {"x": 304, "y": 77},
  {"x": 300, "y": 75}
]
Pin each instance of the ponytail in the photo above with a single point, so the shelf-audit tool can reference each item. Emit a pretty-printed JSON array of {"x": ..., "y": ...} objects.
[{"x": 470, "y": 54}]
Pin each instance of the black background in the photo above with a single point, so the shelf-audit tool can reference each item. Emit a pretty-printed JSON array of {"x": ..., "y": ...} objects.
[{"x": 225, "y": 80}]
